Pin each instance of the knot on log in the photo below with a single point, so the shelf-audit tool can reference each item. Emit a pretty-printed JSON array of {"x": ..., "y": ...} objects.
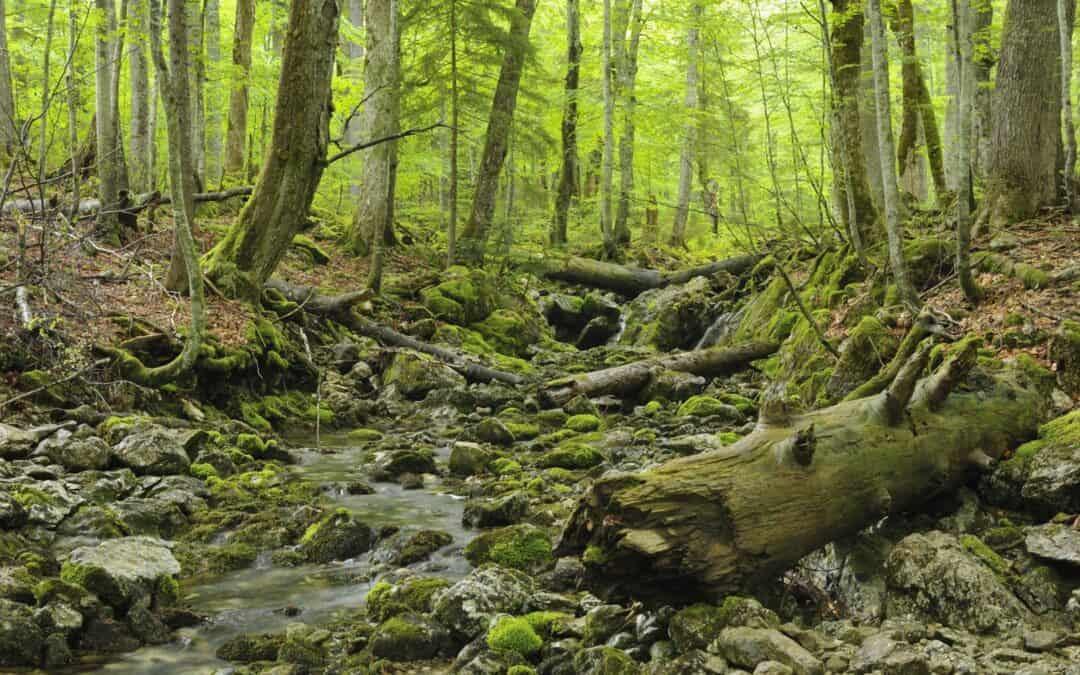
[{"x": 799, "y": 446}]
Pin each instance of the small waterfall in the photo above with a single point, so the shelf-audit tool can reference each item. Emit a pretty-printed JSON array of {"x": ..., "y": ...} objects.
[
  {"x": 721, "y": 328},
  {"x": 622, "y": 329},
  {"x": 318, "y": 388}
]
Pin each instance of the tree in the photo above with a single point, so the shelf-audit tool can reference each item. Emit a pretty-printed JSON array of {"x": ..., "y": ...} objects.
[
  {"x": 455, "y": 131},
  {"x": 278, "y": 209},
  {"x": 108, "y": 152},
  {"x": 1066, "y": 10},
  {"x": 1026, "y": 114},
  {"x": 212, "y": 40},
  {"x": 628, "y": 16},
  {"x": 236, "y": 132},
  {"x": 607, "y": 227},
  {"x": 965, "y": 112},
  {"x": 570, "y": 173},
  {"x": 497, "y": 137},
  {"x": 139, "y": 68},
  {"x": 9, "y": 133},
  {"x": 893, "y": 226},
  {"x": 380, "y": 117},
  {"x": 686, "y": 159}
]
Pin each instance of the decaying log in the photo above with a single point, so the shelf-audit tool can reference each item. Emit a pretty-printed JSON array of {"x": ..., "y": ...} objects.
[
  {"x": 735, "y": 518},
  {"x": 141, "y": 202},
  {"x": 339, "y": 308},
  {"x": 627, "y": 380},
  {"x": 631, "y": 281}
]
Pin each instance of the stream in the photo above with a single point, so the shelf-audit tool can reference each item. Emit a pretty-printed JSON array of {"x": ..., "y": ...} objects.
[{"x": 253, "y": 600}]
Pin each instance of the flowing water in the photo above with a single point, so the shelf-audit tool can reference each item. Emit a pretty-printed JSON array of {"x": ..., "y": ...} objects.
[{"x": 252, "y": 600}]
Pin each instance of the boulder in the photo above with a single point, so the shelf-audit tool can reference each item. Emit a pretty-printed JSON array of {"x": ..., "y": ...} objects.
[
  {"x": 336, "y": 536},
  {"x": 123, "y": 571},
  {"x": 508, "y": 510},
  {"x": 467, "y": 296},
  {"x": 468, "y": 459},
  {"x": 933, "y": 578},
  {"x": 669, "y": 318},
  {"x": 522, "y": 547},
  {"x": 15, "y": 443},
  {"x": 493, "y": 430},
  {"x": 76, "y": 454},
  {"x": 401, "y": 462},
  {"x": 12, "y": 514},
  {"x": 882, "y": 653},
  {"x": 21, "y": 640},
  {"x": 154, "y": 452},
  {"x": 1064, "y": 351},
  {"x": 420, "y": 546},
  {"x": 1044, "y": 475},
  {"x": 466, "y": 608},
  {"x": 696, "y": 626},
  {"x": 747, "y": 647},
  {"x": 417, "y": 374},
  {"x": 250, "y": 647},
  {"x": 409, "y": 637},
  {"x": 671, "y": 385},
  {"x": 1055, "y": 542},
  {"x": 604, "y": 661}
]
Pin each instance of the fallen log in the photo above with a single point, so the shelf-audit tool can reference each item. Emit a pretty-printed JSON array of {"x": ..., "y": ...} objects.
[
  {"x": 141, "y": 202},
  {"x": 735, "y": 518},
  {"x": 340, "y": 309},
  {"x": 628, "y": 379},
  {"x": 632, "y": 281}
]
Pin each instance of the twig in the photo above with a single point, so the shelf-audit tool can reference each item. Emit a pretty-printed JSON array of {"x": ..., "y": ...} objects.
[
  {"x": 386, "y": 139},
  {"x": 77, "y": 373}
]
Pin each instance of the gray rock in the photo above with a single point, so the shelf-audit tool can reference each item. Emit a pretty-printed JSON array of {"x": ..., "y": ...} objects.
[
  {"x": 339, "y": 535},
  {"x": 772, "y": 668},
  {"x": 747, "y": 647},
  {"x": 74, "y": 453},
  {"x": 604, "y": 661},
  {"x": 21, "y": 640},
  {"x": 467, "y": 607},
  {"x": 468, "y": 459},
  {"x": 122, "y": 571},
  {"x": 492, "y": 430},
  {"x": 508, "y": 510},
  {"x": 417, "y": 374},
  {"x": 694, "y": 662},
  {"x": 15, "y": 443},
  {"x": 1054, "y": 542},
  {"x": 48, "y": 502},
  {"x": 1041, "y": 640},
  {"x": 671, "y": 385},
  {"x": 56, "y": 652},
  {"x": 409, "y": 637},
  {"x": 59, "y": 617},
  {"x": 146, "y": 626},
  {"x": 407, "y": 461},
  {"x": 17, "y": 584},
  {"x": 603, "y": 622},
  {"x": 154, "y": 452},
  {"x": 12, "y": 514},
  {"x": 932, "y": 577}
]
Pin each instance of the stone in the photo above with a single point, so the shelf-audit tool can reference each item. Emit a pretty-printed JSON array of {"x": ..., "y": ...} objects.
[
  {"x": 146, "y": 626},
  {"x": 12, "y": 514},
  {"x": 508, "y": 510},
  {"x": 339, "y": 535},
  {"x": 250, "y": 647},
  {"x": 74, "y": 453},
  {"x": 17, "y": 584},
  {"x": 1041, "y": 640},
  {"x": 107, "y": 636},
  {"x": 304, "y": 645},
  {"x": 694, "y": 662},
  {"x": 932, "y": 577},
  {"x": 1064, "y": 352},
  {"x": 154, "y": 452},
  {"x": 408, "y": 461},
  {"x": 467, "y": 607},
  {"x": 522, "y": 547},
  {"x": 670, "y": 385},
  {"x": 493, "y": 430},
  {"x": 669, "y": 318},
  {"x": 1055, "y": 542},
  {"x": 121, "y": 571},
  {"x": 15, "y": 443},
  {"x": 603, "y": 622},
  {"x": 468, "y": 459},
  {"x": 21, "y": 641},
  {"x": 772, "y": 668},
  {"x": 745, "y": 646},
  {"x": 696, "y": 626},
  {"x": 409, "y": 637},
  {"x": 420, "y": 546},
  {"x": 707, "y": 406},
  {"x": 604, "y": 661},
  {"x": 56, "y": 652},
  {"x": 417, "y": 374},
  {"x": 59, "y": 617}
]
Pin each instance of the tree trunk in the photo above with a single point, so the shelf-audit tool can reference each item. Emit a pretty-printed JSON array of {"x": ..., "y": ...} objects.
[
  {"x": 733, "y": 519},
  {"x": 627, "y": 380},
  {"x": 9, "y": 132},
  {"x": 631, "y": 281},
  {"x": 379, "y": 118},
  {"x": 848, "y": 158},
  {"x": 1066, "y": 17},
  {"x": 497, "y": 137},
  {"x": 871, "y": 156},
  {"x": 197, "y": 78},
  {"x": 278, "y": 209},
  {"x": 627, "y": 63},
  {"x": 354, "y": 50},
  {"x": 570, "y": 174},
  {"x": 965, "y": 70},
  {"x": 455, "y": 104},
  {"x": 1026, "y": 115},
  {"x": 212, "y": 17},
  {"x": 981, "y": 16},
  {"x": 108, "y": 146},
  {"x": 72, "y": 101},
  {"x": 607, "y": 227},
  {"x": 893, "y": 226},
  {"x": 689, "y": 150},
  {"x": 236, "y": 134},
  {"x": 139, "y": 66}
]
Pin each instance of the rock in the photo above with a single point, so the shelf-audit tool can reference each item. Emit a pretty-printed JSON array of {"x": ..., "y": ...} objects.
[
  {"x": 933, "y": 578},
  {"x": 698, "y": 625},
  {"x": 572, "y": 455},
  {"x": 15, "y": 443},
  {"x": 420, "y": 546},
  {"x": 603, "y": 622},
  {"x": 409, "y": 637},
  {"x": 669, "y": 318},
  {"x": 122, "y": 571},
  {"x": 772, "y": 668},
  {"x": 107, "y": 636},
  {"x": 17, "y": 584},
  {"x": 75, "y": 454},
  {"x": 694, "y": 662},
  {"x": 522, "y": 547},
  {"x": 150, "y": 516},
  {"x": 1044, "y": 475},
  {"x": 417, "y": 374},
  {"x": 21, "y": 641},
  {"x": 707, "y": 406},
  {"x": 154, "y": 452},
  {"x": 511, "y": 332},
  {"x": 1064, "y": 352},
  {"x": 883, "y": 654},
  {"x": 144, "y": 625},
  {"x": 493, "y": 430},
  {"x": 670, "y": 385},
  {"x": 467, "y": 607},
  {"x": 48, "y": 502},
  {"x": 304, "y": 645},
  {"x": 338, "y": 535},
  {"x": 868, "y": 347},
  {"x": 249, "y": 647},
  {"x": 1041, "y": 640},
  {"x": 408, "y": 461},
  {"x": 1053, "y": 541},
  {"x": 747, "y": 647},
  {"x": 59, "y": 617},
  {"x": 508, "y": 510},
  {"x": 604, "y": 661},
  {"x": 597, "y": 332},
  {"x": 56, "y": 652},
  {"x": 467, "y": 296},
  {"x": 468, "y": 459},
  {"x": 12, "y": 514}
]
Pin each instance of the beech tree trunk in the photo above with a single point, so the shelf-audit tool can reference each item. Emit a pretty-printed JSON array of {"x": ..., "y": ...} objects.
[
  {"x": 631, "y": 281},
  {"x": 497, "y": 138},
  {"x": 140, "y": 179},
  {"x": 607, "y": 170},
  {"x": 893, "y": 226},
  {"x": 570, "y": 173},
  {"x": 197, "y": 79},
  {"x": 733, "y": 519},
  {"x": 626, "y": 60},
  {"x": 689, "y": 149},
  {"x": 236, "y": 134},
  {"x": 212, "y": 104},
  {"x": 1026, "y": 114},
  {"x": 1066, "y": 18},
  {"x": 379, "y": 117},
  {"x": 455, "y": 109},
  {"x": 278, "y": 208},
  {"x": 965, "y": 112},
  {"x": 627, "y": 380},
  {"x": 108, "y": 151},
  {"x": 9, "y": 133}
]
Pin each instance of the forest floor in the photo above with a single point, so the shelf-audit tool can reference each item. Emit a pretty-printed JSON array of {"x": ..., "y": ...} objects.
[{"x": 339, "y": 511}]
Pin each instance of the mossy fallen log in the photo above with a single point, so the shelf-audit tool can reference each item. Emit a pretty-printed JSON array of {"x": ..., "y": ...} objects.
[
  {"x": 631, "y": 281},
  {"x": 630, "y": 378},
  {"x": 735, "y": 518}
]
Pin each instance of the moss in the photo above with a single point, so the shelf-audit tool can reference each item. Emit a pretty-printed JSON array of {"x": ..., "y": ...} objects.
[
  {"x": 593, "y": 555},
  {"x": 523, "y": 431},
  {"x": 652, "y": 408},
  {"x": 521, "y": 670},
  {"x": 701, "y": 406},
  {"x": 552, "y": 418},
  {"x": 1032, "y": 277},
  {"x": 468, "y": 296},
  {"x": 546, "y": 624},
  {"x": 250, "y": 414},
  {"x": 365, "y": 435},
  {"x": 987, "y": 555},
  {"x": 519, "y": 547},
  {"x": 167, "y": 592},
  {"x": 583, "y": 423},
  {"x": 1004, "y": 536},
  {"x": 514, "y": 634},
  {"x": 741, "y": 403},
  {"x": 203, "y": 471},
  {"x": 324, "y": 416},
  {"x": 378, "y": 598},
  {"x": 572, "y": 456},
  {"x": 727, "y": 437},
  {"x": 555, "y": 437},
  {"x": 233, "y": 556},
  {"x": 313, "y": 250},
  {"x": 509, "y": 332},
  {"x": 559, "y": 475},
  {"x": 645, "y": 435},
  {"x": 504, "y": 466}
]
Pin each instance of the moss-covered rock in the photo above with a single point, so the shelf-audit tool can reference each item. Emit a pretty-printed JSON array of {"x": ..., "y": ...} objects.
[
  {"x": 493, "y": 430},
  {"x": 468, "y": 459},
  {"x": 495, "y": 512},
  {"x": 336, "y": 536},
  {"x": 21, "y": 640},
  {"x": 1043, "y": 475},
  {"x": 420, "y": 546},
  {"x": 510, "y": 332},
  {"x": 1064, "y": 351},
  {"x": 467, "y": 296},
  {"x": 583, "y": 424},
  {"x": 250, "y": 648},
  {"x": 869, "y": 346},
  {"x": 409, "y": 637},
  {"x": 522, "y": 547},
  {"x": 572, "y": 455},
  {"x": 707, "y": 406},
  {"x": 416, "y": 594},
  {"x": 417, "y": 374},
  {"x": 604, "y": 661},
  {"x": 514, "y": 634},
  {"x": 365, "y": 435},
  {"x": 669, "y": 318}
]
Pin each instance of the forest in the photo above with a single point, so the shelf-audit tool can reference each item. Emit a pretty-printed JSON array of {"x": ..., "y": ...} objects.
[{"x": 539, "y": 337}]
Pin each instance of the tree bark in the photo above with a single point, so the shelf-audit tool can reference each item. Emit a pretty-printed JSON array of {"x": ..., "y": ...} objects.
[
  {"x": 689, "y": 149},
  {"x": 627, "y": 380},
  {"x": 570, "y": 174},
  {"x": 497, "y": 137},
  {"x": 108, "y": 153},
  {"x": 607, "y": 168},
  {"x": 965, "y": 112},
  {"x": 455, "y": 117},
  {"x": 278, "y": 208},
  {"x": 139, "y": 68},
  {"x": 236, "y": 133},
  {"x": 733, "y": 519},
  {"x": 1066, "y": 18},
  {"x": 848, "y": 159},
  {"x": 627, "y": 62},
  {"x": 1026, "y": 115},
  {"x": 631, "y": 281},
  {"x": 379, "y": 117},
  {"x": 9, "y": 131},
  {"x": 893, "y": 226},
  {"x": 212, "y": 38}
]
